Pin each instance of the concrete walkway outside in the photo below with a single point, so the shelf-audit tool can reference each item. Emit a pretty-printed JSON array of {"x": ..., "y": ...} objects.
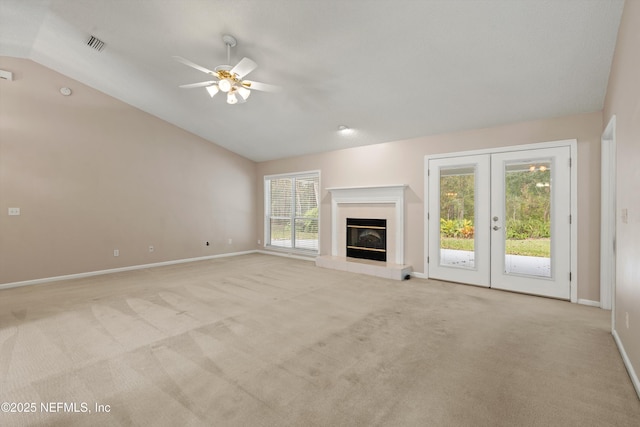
[{"x": 514, "y": 264}]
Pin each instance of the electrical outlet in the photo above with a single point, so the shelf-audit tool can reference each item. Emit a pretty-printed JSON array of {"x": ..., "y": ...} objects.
[
  {"x": 626, "y": 318},
  {"x": 116, "y": 252},
  {"x": 259, "y": 242},
  {"x": 151, "y": 248}
]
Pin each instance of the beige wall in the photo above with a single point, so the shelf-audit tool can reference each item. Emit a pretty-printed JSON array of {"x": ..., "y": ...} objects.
[
  {"x": 92, "y": 174},
  {"x": 402, "y": 162},
  {"x": 623, "y": 100},
  {"x": 95, "y": 174}
]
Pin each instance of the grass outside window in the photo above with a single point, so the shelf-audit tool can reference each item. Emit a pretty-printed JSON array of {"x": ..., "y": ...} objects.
[{"x": 526, "y": 247}]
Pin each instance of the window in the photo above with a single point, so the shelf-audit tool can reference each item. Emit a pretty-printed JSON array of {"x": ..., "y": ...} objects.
[{"x": 291, "y": 210}]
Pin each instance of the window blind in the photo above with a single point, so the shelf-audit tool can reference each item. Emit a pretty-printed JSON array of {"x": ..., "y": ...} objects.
[{"x": 292, "y": 204}]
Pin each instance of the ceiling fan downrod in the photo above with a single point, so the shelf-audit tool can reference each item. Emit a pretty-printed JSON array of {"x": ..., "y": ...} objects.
[{"x": 230, "y": 42}]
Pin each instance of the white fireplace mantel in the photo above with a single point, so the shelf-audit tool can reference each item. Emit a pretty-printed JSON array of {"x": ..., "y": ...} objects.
[{"x": 393, "y": 194}]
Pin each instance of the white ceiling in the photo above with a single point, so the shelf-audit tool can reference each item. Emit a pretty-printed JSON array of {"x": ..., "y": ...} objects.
[{"x": 389, "y": 69}]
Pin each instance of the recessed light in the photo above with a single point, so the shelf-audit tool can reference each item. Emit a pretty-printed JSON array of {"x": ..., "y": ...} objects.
[{"x": 345, "y": 130}]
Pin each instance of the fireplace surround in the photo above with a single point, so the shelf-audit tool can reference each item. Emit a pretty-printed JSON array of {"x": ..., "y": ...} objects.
[
  {"x": 385, "y": 202},
  {"x": 390, "y": 195}
]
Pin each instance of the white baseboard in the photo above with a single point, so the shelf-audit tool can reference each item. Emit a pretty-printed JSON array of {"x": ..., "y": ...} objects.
[
  {"x": 117, "y": 270},
  {"x": 589, "y": 302},
  {"x": 627, "y": 362},
  {"x": 418, "y": 275},
  {"x": 157, "y": 264}
]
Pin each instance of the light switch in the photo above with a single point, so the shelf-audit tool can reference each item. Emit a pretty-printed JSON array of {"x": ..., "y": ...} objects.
[{"x": 14, "y": 211}]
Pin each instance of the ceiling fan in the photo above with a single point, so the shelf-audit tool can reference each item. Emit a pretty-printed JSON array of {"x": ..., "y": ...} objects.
[{"x": 229, "y": 79}]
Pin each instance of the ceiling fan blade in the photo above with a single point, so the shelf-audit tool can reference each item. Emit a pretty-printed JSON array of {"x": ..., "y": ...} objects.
[
  {"x": 193, "y": 65},
  {"x": 201, "y": 84},
  {"x": 264, "y": 87},
  {"x": 244, "y": 67}
]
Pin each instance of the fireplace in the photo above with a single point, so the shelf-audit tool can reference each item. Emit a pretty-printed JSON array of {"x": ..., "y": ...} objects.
[{"x": 367, "y": 238}]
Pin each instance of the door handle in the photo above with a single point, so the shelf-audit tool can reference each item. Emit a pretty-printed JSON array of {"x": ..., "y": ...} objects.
[{"x": 496, "y": 228}]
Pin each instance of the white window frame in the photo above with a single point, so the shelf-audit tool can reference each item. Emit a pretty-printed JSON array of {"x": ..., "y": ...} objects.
[{"x": 267, "y": 212}]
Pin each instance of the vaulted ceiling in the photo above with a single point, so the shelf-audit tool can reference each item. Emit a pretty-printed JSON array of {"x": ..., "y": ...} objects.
[{"x": 388, "y": 69}]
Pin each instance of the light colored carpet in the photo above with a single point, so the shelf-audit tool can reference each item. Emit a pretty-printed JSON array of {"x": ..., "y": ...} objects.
[{"x": 259, "y": 340}]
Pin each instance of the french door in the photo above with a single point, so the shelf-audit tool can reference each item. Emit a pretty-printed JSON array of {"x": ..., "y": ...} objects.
[{"x": 502, "y": 220}]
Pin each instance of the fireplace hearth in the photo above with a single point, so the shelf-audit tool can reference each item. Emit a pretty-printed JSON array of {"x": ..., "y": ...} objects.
[{"x": 367, "y": 238}]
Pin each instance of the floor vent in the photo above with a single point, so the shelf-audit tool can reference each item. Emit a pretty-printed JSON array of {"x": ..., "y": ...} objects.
[{"x": 95, "y": 43}]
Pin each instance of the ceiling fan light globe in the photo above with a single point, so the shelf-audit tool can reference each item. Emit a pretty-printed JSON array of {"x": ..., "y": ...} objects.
[
  {"x": 225, "y": 85},
  {"x": 243, "y": 92},
  {"x": 231, "y": 98},
  {"x": 212, "y": 90}
]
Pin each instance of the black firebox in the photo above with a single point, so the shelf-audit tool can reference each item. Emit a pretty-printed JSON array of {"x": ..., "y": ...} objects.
[{"x": 367, "y": 238}]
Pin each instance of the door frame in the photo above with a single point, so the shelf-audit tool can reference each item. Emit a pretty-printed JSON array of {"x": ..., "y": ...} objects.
[
  {"x": 571, "y": 143},
  {"x": 608, "y": 219}
]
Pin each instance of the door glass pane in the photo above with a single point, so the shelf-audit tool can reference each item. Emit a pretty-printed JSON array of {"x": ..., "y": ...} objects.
[
  {"x": 528, "y": 218},
  {"x": 457, "y": 216}
]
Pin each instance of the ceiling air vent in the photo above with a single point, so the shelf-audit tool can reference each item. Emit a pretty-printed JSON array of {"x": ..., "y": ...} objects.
[{"x": 95, "y": 43}]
